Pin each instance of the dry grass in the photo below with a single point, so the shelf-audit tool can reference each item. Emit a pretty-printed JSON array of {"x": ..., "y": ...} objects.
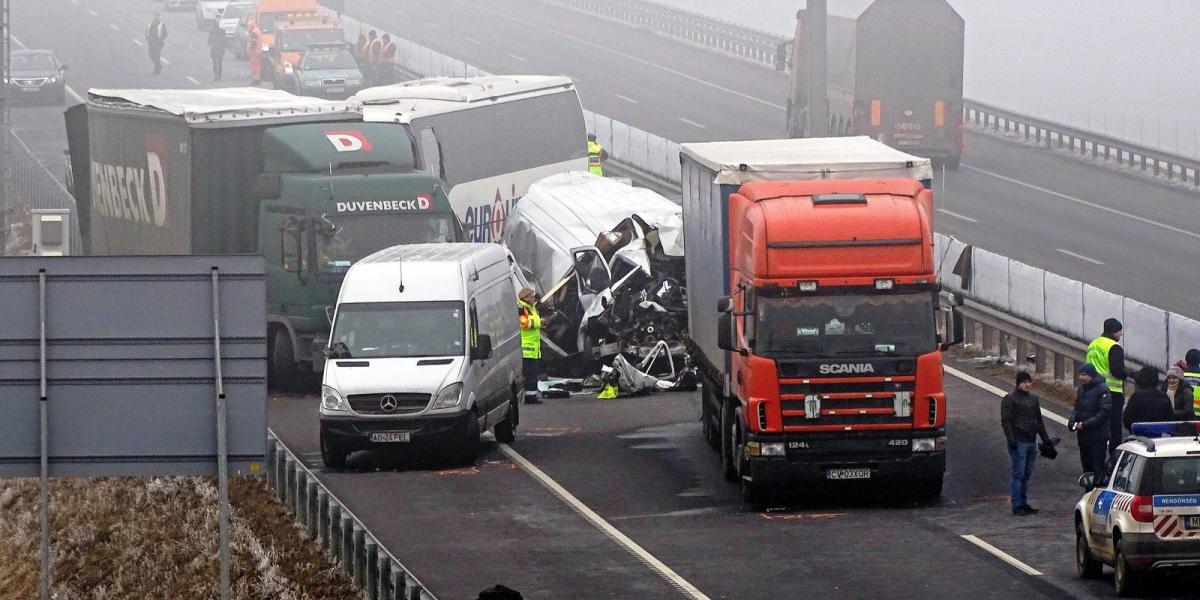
[{"x": 133, "y": 539}]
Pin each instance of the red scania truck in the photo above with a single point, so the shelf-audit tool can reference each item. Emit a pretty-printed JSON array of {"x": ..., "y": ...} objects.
[{"x": 812, "y": 303}]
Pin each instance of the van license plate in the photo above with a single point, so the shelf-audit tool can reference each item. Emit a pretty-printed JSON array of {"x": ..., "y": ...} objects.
[
  {"x": 335, "y": 89},
  {"x": 1191, "y": 522},
  {"x": 390, "y": 436},
  {"x": 848, "y": 474}
]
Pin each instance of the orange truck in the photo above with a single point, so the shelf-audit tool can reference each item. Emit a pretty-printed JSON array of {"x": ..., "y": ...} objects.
[
  {"x": 267, "y": 15},
  {"x": 294, "y": 34},
  {"x": 813, "y": 307}
]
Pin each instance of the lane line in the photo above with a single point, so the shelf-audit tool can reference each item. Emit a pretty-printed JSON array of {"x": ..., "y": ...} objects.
[
  {"x": 1079, "y": 256},
  {"x": 165, "y": 61},
  {"x": 666, "y": 572},
  {"x": 1084, "y": 202},
  {"x": 93, "y": 13},
  {"x": 987, "y": 387},
  {"x": 628, "y": 99},
  {"x": 692, "y": 123},
  {"x": 1002, "y": 555},
  {"x": 193, "y": 80},
  {"x": 113, "y": 27},
  {"x": 956, "y": 215},
  {"x": 472, "y": 40},
  {"x": 643, "y": 62},
  {"x": 138, "y": 42},
  {"x": 520, "y": 58}
]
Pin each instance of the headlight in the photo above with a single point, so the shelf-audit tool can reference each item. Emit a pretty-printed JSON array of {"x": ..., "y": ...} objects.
[
  {"x": 52, "y": 80},
  {"x": 449, "y": 397},
  {"x": 266, "y": 48},
  {"x": 331, "y": 399},
  {"x": 929, "y": 444},
  {"x": 765, "y": 449}
]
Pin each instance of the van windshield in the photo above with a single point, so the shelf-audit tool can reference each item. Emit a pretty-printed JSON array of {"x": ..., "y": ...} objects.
[{"x": 400, "y": 329}]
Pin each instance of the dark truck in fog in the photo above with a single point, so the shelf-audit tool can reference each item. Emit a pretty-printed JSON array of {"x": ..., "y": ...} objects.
[{"x": 301, "y": 181}]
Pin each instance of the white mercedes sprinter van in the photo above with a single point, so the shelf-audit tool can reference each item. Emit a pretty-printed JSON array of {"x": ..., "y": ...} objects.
[{"x": 425, "y": 353}]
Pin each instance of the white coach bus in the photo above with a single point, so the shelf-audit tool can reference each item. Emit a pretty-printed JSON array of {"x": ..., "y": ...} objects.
[{"x": 487, "y": 137}]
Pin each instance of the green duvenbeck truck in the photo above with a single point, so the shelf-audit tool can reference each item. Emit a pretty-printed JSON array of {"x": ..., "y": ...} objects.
[{"x": 303, "y": 182}]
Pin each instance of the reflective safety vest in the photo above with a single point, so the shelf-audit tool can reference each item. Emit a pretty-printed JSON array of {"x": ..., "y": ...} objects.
[
  {"x": 594, "y": 165},
  {"x": 1193, "y": 378},
  {"x": 531, "y": 330},
  {"x": 1097, "y": 356}
]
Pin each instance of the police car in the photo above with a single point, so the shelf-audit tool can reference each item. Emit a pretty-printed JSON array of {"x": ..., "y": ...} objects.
[{"x": 1144, "y": 518}]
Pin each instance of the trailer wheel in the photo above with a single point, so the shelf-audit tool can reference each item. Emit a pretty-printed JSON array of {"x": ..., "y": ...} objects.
[
  {"x": 284, "y": 375},
  {"x": 728, "y": 439},
  {"x": 712, "y": 431}
]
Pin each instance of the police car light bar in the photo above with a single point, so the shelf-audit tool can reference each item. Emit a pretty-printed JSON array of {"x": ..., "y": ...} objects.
[{"x": 1167, "y": 429}]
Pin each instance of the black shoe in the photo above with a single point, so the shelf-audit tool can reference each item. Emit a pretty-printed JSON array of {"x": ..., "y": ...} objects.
[
  {"x": 1021, "y": 511},
  {"x": 532, "y": 400},
  {"x": 1030, "y": 510}
]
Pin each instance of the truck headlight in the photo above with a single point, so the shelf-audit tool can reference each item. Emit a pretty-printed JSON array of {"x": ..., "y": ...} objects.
[
  {"x": 765, "y": 449},
  {"x": 449, "y": 397},
  {"x": 929, "y": 444},
  {"x": 332, "y": 400}
]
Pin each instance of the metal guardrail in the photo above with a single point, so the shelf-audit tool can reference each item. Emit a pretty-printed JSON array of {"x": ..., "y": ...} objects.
[
  {"x": 36, "y": 187},
  {"x": 1050, "y": 134},
  {"x": 337, "y": 530}
]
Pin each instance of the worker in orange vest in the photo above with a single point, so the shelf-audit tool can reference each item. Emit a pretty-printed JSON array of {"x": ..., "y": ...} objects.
[{"x": 254, "y": 52}]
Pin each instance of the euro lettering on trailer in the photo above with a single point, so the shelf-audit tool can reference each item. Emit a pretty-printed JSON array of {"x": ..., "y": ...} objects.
[
  {"x": 422, "y": 202},
  {"x": 485, "y": 222}
]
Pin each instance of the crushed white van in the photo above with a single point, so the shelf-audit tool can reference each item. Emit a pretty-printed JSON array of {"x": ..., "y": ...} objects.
[{"x": 425, "y": 353}]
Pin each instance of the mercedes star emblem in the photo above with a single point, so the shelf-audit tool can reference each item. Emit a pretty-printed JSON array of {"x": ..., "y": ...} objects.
[{"x": 388, "y": 403}]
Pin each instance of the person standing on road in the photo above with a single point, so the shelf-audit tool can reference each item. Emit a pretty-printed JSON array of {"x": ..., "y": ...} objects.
[
  {"x": 1106, "y": 354},
  {"x": 156, "y": 36},
  {"x": 1148, "y": 404},
  {"x": 374, "y": 47},
  {"x": 360, "y": 50},
  {"x": 1021, "y": 418},
  {"x": 531, "y": 342},
  {"x": 216, "y": 49},
  {"x": 387, "y": 58},
  {"x": 596, "y": 156},
  {"x": 1191, "y": 374},
  {"x": 1180, "y": 393},
  {"x": 1089, "y": 420},
  {"x": 254, "y": 53}
]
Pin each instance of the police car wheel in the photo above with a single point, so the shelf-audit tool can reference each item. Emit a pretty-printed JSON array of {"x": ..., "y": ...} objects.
[
  {"x": 1086, "y": 565},
  {"x": 1125, "y": 579}
]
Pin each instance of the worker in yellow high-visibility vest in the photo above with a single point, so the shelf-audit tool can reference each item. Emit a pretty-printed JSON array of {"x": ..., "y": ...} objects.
[
  {"x": 531, "y": 342},
  {"x": 1191, "y": 374},
  {"x": 1106, "y": 354},
  {"x": 596, "y": 156}
]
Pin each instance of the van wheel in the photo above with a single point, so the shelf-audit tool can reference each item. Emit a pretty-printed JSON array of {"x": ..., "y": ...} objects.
[
  {"x": 506, "y": 430},
  {"x": 470, "y": 449},
  {"x": 1086, "y": 565},
  {"x": 1125, "y": 579},
  {"x": 712, "y": 433},
  {"x": 284, "y": 375},
  {"x": 728, "y": 439},
  {"x": 332, "y": 453}
]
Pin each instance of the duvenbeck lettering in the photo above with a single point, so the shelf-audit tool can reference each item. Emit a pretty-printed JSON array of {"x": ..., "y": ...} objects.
[
  {"x": 131, "y": 193},
  {"x": 383, "y": 205}
]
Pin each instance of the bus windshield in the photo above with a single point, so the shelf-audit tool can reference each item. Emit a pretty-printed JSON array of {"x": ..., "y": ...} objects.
[
  {"x": 899, "y": 324},
  {"x": 354, "y": 237}
]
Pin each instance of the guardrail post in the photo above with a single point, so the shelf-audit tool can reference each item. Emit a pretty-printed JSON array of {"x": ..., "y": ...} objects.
[
  {"x": 989, "y": 339},
  {"x": 323, "y": 518},
  {"x": 1023, "y": 354},
  {"x": 396, "y": 581},
  {"x": 372, "y": 568},
  {"x": 358, "y": 556},
  {"x": 289, "y": 494},
  {"x": 335, "y": 531},
  {"x": 280, "y": 475},
  {"x": 1002, "y": 339},
  {"x": 347, "y": 544},
  {"x": 312, "y": 521},
  {"x": 1042, "y": 360},
  {"x": 270, "y": 463},
  {"x": 412, "y": 591},
  {"x": 301, "y": 495}
]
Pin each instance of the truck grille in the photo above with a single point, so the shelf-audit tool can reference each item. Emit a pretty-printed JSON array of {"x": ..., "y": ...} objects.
[
  {"x": 373, "y": 404},
  {"x": 846, "y": 402},
  {"x": 869, "y": 419}
]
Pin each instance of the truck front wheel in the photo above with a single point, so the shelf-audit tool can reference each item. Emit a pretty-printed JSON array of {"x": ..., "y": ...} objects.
[
  {"x": 283, "y": 372},
  {"x": 712, "y": 432},
  {"x": 728, "y": 434},
  {"x": 929, "y": 489}
]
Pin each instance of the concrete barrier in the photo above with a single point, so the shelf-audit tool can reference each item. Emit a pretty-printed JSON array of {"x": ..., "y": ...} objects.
[{"x": 1026, "y": 292}]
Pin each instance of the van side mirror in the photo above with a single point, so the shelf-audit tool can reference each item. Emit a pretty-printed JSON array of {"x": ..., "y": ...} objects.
[
  {"x": 483, "y": 347},
  {"x": 1087, "y": 481}
]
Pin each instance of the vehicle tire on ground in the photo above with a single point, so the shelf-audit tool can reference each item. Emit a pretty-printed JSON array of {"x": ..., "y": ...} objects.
[
  {"x": 470, "y": 450},
  {"x": 1126, "y": 580},
  {"x": 1086, "y": 565},
  {"x": 712, "y": 431},
  {"x": 928, "y": 489},
  {"x": 728, "y": 438},
  {"x": 332, "y": 454},
  {"x": 282, "y": 372},
  {"x": 506, "y": 430}
]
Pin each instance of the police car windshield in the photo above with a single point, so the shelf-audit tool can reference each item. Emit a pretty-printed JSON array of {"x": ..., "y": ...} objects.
[
  {"x": 328, "y": 59},
  {"x": 899, "y": 324},
  {"x": 296, "y": 40},
  {"x": 400, "y": 329},
  {"x": 354, "y": 237},
  {"x": 1175, "y": 475}
]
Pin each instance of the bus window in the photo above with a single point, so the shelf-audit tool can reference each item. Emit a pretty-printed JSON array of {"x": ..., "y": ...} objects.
[{"x": 432, "y": 152}]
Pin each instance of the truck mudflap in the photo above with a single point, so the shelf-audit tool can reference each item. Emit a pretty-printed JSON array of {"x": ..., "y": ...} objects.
[{"x": 896, "y": 455}]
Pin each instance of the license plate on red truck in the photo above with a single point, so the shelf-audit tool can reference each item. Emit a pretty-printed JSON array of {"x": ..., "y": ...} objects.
[{"x": 848, "y": 474}]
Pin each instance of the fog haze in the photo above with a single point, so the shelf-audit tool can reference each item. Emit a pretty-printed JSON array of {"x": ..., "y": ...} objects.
[{"x": 1129, "y": 69}]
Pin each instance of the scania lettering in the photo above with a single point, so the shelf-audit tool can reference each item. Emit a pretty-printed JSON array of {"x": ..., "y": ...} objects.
[
  {"x": 303, "y": 182},
  {"x": 488, "y": 137},
  {"x": 812, "y": 310}
]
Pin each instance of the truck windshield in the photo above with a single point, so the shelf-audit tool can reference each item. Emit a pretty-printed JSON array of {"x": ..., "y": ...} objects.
[
  {"x": 400, "y": 329},
  {"x": 354, "y": 237},
  {"x": 845, "y": 325}
]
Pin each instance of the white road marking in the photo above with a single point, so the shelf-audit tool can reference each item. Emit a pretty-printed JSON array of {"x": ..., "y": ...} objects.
[
  {"x": 428, "y": 24},
  {"x": 113, "y": 27},
  {"x": 193, "y": 80},
  {"x": 74, "y": 1},
  {"x": 472, "y": 40},
  {"x": 640, "y": 61},
  {"x": 165, "y": 61},
  {"x": 138, "y": 42},
  {"x": 666, "y": 572},
  {"x": 692, "y": 123},
  {"x": 1084, "y": 202},
  {"x": 628, "y": 99},
  {"x": 987, "y": 387},
  {"x": 1079, "y": 256},
  {"x": 93, "y": 13},
  {"x": 1002, "y": 555},
  {"x": 520, "y": 58},
  {"x": 957, "y": 216}
]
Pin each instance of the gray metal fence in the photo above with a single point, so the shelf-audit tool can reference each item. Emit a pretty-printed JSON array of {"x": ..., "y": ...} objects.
[{"x": 35, "y": 186}]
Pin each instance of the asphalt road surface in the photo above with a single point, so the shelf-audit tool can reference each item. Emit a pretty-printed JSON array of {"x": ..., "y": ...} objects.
[{"x": 1118, "y": 232}]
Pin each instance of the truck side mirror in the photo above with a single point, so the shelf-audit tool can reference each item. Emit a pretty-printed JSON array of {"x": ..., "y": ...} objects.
[
  {"x": 725, "y": 331},
  {"x": 483, "y": 347},
  {"x": 724, "y": 304}
]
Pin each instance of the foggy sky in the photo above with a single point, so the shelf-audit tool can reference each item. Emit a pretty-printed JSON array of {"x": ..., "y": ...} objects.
[{"x": 1131, "y": 69}]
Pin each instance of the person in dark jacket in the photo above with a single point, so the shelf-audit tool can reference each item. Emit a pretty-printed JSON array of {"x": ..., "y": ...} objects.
[
  {"x": 1148, "y": 404},
  {"x": 1108, "y": 357},
  {"x": 1180, "y": 393},
  {"x": 1089, "y": 420},
  {"x": 1021, "y": 418},
  {"x": 216, "y": 49}
]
